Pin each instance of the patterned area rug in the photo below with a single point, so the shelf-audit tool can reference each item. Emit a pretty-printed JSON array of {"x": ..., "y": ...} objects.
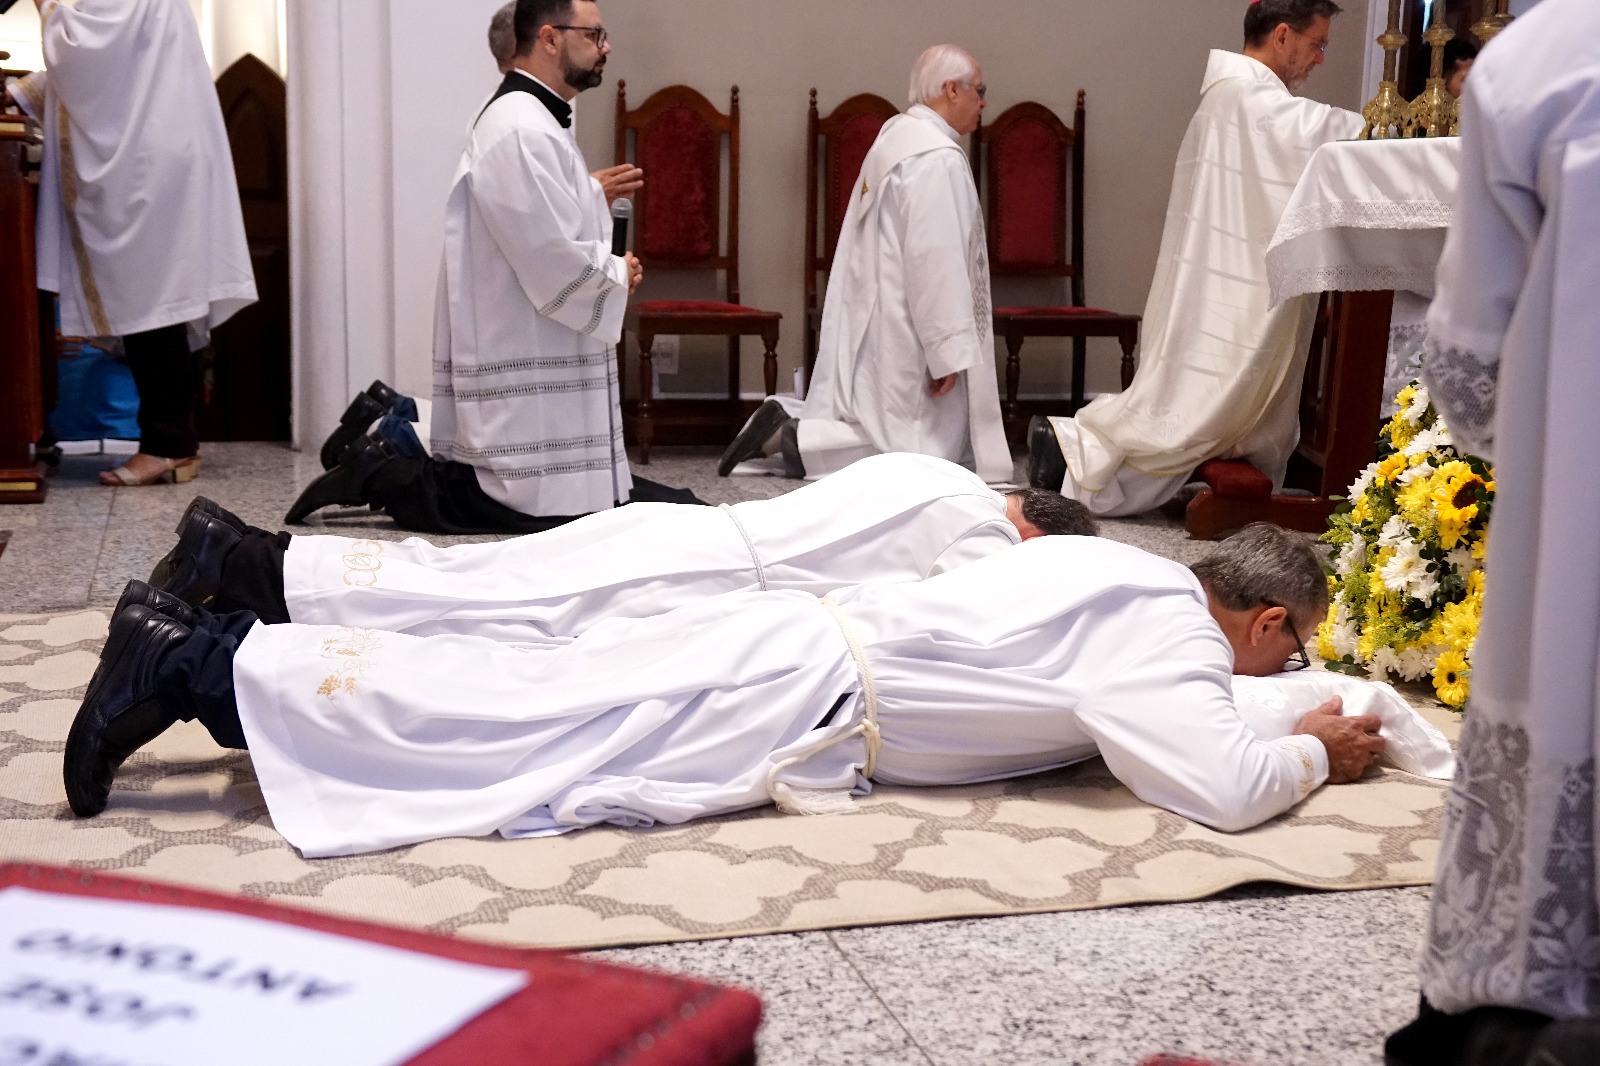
[{"x": 183, "y": 811}]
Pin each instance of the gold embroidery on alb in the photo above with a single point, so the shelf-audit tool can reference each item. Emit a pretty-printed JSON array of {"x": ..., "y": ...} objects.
[
  {"x": 350, "y": 649},
  {"x": 361, "y": 563}
]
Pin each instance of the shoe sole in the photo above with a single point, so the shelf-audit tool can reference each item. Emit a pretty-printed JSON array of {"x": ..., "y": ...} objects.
[
  {"x": 77, "y": 736},
  {"x": 764, "y": 423}
]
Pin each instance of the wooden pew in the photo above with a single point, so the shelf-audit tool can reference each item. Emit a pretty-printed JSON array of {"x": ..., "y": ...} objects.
[{"x": 23, "y": 344}]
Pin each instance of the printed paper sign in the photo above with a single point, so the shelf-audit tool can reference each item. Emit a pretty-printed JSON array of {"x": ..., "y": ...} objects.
[{"x": 97, "y": 982}]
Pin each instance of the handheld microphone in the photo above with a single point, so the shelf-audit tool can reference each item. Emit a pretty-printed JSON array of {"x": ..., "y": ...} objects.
[{"x": 621, "y": 212}]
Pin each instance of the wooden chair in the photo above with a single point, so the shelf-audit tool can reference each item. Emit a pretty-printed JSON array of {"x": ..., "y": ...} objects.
[
  {"x": 678, "y": 216},
  {"x": 1022, "y": 160},
  {"x": 26, "y": 354},
  {"x": 835, "y": 148}
]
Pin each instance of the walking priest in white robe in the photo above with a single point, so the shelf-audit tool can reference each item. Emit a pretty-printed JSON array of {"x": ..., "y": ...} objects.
[
  {"x": 1038, "y": 656},
  {"x": 139, "y": 229},
  {"x": 1510, "y": 362},
  {"x": 1219, "y": 373},
  {"x": 905, "y": 358}
]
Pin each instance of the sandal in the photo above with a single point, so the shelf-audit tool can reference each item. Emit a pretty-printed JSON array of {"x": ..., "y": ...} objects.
[{"x": 173, "y": 472}]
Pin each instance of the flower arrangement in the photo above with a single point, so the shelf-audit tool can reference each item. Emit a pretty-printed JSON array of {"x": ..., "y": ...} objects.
[{"x": 1408, "y": 543}]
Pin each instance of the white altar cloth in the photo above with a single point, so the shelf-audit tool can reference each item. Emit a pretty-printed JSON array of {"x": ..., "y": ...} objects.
[{"x": 1366, "y": 215}]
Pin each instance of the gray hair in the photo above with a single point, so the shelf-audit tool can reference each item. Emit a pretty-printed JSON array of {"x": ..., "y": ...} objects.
[
  {"x": 1056, "y": 515},
  {"x": 503, "y": 36},
  {"x": 939, "y": 65},
  {"x": 1265, "y": 566}
]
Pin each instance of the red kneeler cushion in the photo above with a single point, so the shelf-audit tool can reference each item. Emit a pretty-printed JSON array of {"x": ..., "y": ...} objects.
[
  {"x": 571, "y": 1012},
  {"x": 1235, "y": 479},
  {"x": 692, "y": 307}
]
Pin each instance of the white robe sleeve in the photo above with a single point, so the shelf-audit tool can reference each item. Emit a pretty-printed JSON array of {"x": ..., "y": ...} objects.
[
  {"x": 979, "y": 542},
  {"x": 29, "y": 93},
  {"x": 1167, "y": 728},
  {"x": 933, "y": 190},
  {"x": 530, "y": 209},
  {"x": 1481, "y": 274}
]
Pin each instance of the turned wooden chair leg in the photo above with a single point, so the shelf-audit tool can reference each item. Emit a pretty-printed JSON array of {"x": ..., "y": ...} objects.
[
  {"x": 647, "y": 429},
  {"x": 769, "y": 361},
  {"x": 1127, "y": 340},
  {"x": 1013, "y": 374},
  {"x": 1080, "y": 356}
]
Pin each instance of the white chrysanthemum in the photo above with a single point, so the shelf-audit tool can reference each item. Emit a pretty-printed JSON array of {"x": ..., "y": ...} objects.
[
  {"x": 1344, "y": 639},
  {"x": 1459, "y": 559},
  {"x": 1426, "y": 587},
  {"x": 1419, "y": 405},
  {"x": 1364, "y": 482},
  {"x": 1429, "y": 440},
  {"x": 1384, "y": 662},
  {"x": 1423, "y": 469},
  {"x": 1414, "y": 664},
  {"x": 1351, "y": 557},
  {"x": 1395, "y": 532},
  {"x": 1443, "y": 433},
  {"x": 1403, "y": 570}
]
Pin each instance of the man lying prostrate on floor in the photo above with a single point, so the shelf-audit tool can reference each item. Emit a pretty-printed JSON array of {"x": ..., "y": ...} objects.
[
  {"x": 1035, "y": 657},
  {"x": 885, "y": 518}
]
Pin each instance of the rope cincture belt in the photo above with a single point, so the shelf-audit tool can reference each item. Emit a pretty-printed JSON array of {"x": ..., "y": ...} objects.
[
  {"x": 749, "y": 546},
  {"x": 867, "y": 728}
]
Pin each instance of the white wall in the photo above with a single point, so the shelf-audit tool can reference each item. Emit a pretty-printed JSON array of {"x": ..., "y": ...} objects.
[{"x": 381, "y": 94}]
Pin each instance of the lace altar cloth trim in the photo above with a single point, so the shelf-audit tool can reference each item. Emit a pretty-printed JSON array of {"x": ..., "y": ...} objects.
[
  {"x": 1361, "y": 214},
  {"x": 1345, "y": 277}
]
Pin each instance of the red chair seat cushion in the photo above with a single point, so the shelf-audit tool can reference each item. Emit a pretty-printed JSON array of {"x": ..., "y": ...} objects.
[
  {"x": 1235, "y": 479},
  {"x": 694, "y": 307},
  {"x": 1026, "y": 312}
]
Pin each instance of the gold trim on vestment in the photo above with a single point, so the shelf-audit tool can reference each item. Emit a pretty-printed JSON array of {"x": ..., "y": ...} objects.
[{"x": 69, "y": 205}]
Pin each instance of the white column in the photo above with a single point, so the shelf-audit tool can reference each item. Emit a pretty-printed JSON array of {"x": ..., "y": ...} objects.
[
  {"x": 341, "y": 175},
  {"x": 240, "y": 27}
]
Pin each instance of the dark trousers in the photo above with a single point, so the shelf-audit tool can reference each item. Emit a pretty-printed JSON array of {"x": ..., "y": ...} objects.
[
  {"x": 1493, "y": 1036},
  {"x": 195, "y": 679},
  {"x": 164, "y": 370},
  {"x": 430, "y": 496},
  {"x": 252, "y": 577}
]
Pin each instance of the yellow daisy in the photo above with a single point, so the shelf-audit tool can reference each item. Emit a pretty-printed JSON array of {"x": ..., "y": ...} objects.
[{"x": 1451, "y": 673}]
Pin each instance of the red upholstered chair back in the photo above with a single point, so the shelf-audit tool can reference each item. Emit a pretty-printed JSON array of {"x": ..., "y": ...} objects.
[
  {"x": 1031, "y": 167},
  {"x": 677, "y": 138}
]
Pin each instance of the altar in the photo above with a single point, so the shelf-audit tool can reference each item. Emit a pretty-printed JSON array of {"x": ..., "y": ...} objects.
[{"x": 1364, "y": 228}]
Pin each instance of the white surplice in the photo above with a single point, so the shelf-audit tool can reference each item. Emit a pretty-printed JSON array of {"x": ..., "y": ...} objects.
[
  {"x": 1039, "y": 656},
  {"x": 529, "y": 311},
  {"x": 886, "y": 518},
  {"x": 139, "y": 225},
  {"x": 1511, "y": 363},
  {"x": 908, "y": 301},
  {"x": 1219, "y": 369}
]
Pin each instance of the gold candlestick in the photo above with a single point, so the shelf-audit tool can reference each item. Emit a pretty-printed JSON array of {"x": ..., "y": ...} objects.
[
  {"x": 1435, "y": 112},
  {"x": 1492, "y": 22},
  {"x": 1387, "y": 113}
]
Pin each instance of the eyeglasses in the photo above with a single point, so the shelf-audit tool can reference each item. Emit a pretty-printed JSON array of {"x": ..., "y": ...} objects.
[
  {"x": 1300, "y": 660},
  {"x": 1321, "y": 46},
  {"x": 981, "y": 90},
  {"x": 596, "y": 34}
]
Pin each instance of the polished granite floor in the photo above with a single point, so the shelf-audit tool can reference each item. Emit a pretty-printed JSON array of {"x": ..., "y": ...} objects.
[{"x": 1264, "y": 975}]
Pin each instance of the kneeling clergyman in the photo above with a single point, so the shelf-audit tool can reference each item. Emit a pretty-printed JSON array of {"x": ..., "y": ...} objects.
[
  {"x": 1220, "y": 370},
  {"x": 527, "y": 427},
  {"x": 905, "y": 359},
  {"x": 1038, "y": 656},
  {"x": 886, "y": 518}
]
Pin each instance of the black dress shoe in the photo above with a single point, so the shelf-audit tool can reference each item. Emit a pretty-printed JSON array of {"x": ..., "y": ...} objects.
[
  {"x": 215, "y": 510},
  {"x": 343, "y": 484},
  {"x": 365, "y": 409},
  {"x": 137, "y": 593},
  {"x": 1047, "y": 467},
  {"x": 748, "y": 444},
  {"x": 119, "y": 714},
  {"x": 192, "y": 570}
]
